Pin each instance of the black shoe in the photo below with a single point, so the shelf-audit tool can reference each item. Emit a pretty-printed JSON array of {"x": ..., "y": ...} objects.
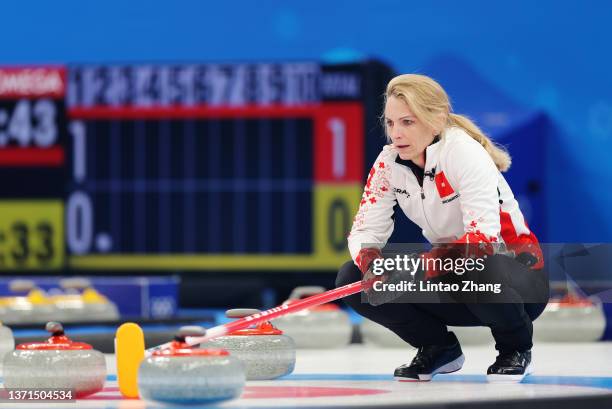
[
  {"x": 431, "y": 360},
  {"x": 510, "y": 366}
]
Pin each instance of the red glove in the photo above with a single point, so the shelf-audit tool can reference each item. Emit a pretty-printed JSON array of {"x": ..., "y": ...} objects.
[
  {"x": 364, "y": 260},
  {"x": 527, "y": 251},
  {"x": 366, "y": 257},
  {"x": 434, "y": 260},
  {"x": 470, "y": 245}
]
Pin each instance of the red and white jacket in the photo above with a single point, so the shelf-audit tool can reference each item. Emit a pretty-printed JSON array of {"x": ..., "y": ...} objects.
[{"x": 464, "y": 197}]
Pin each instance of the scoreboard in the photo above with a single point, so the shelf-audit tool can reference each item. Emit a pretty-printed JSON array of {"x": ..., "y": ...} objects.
[
  {"x": 184, "y": 166},
  {"x": 32, "y": 167}
]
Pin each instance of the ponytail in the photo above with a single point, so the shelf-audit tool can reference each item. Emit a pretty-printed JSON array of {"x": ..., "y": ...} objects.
[{"x": 498, "y": 153}]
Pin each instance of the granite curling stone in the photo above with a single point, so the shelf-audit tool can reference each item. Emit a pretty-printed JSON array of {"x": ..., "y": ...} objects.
[
  {"x": 6, "y": 316},
  {"x": 377, "y": 335},
  {"x": 322, "y": 326},
  {"x": 182, "y": 374},
  {"x": 264, "y": 350},
  {"x": 473, "y": 335},
  {"x": 571, "y": 318},
  {"x": 7, "y": 341},
  {"x": 81, "y": 302},
  {"x": 32, "y": 307},
  {"x": 58, "y": 363}
]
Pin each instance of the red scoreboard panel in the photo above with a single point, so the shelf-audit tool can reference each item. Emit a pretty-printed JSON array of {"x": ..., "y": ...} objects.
[{"x": 198, "y": 166}]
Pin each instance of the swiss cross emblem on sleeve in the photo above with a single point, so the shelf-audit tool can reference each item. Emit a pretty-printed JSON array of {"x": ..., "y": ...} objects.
[{"x": 444, "y": 188}]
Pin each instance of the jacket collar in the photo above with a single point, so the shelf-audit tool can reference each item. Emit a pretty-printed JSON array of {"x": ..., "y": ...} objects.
[{"x": 432, "y": 152}]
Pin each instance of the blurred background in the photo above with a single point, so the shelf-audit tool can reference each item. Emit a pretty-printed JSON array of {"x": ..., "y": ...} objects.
[{"x": 190, "y": 156}]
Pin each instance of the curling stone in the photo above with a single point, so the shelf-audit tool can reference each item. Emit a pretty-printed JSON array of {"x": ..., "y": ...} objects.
[
  {"x": 375, "y": 334},
  {"x": 5, "y": 314},
  {"x": 58, "y": 363},
  {"x": 571, "y": 319},
  {"x": 264, "y": 350},
  {"x": 99, "y": 307},
  {"x": 7, "y": 341},
  {"x": 189, "y": 375},
  {"x": 81, "y": 302},
  {"x": 33, "y": 308},
  {"x": 322, "y": 326}
]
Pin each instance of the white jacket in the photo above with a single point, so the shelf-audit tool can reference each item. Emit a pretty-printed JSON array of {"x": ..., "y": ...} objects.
[{"x": 463, "y": 192}]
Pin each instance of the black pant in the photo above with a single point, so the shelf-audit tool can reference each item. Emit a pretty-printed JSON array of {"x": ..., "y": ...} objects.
[{"x": 422, "y": 324}]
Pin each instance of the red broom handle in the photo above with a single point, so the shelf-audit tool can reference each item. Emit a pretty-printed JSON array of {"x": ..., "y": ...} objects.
[{"x": 294, "y": 306}]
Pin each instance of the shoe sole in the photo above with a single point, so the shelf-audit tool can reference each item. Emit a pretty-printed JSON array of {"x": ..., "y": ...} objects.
[
  {"x": 452, "y": 366},
  {"x": 494, "y": 378}
]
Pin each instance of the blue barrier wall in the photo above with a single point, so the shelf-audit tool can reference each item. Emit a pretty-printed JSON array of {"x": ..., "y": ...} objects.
[{"x": 548, "y": 56}]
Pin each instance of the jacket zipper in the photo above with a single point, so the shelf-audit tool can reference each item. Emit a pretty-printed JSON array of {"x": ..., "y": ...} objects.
[
  {"x": 423, "y": 201},
  {"x": 423, "y": 207}
]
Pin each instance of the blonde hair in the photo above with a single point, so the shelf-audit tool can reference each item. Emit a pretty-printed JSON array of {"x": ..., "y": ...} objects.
[{"x": 430, "y": 104}]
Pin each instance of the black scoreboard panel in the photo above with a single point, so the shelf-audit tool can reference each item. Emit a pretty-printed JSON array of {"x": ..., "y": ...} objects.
[
  {"x": 199, "y": 186},
  {"x": 199, "y": 166}
]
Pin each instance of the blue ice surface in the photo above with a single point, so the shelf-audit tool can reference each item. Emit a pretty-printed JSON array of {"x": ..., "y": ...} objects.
[{"x": 588, "y": 381}]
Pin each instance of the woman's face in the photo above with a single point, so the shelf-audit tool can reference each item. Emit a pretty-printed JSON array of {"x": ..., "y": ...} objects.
[{"x": 409, "y": 136}]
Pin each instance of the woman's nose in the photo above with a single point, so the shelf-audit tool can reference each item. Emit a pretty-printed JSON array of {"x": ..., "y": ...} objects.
[{"x": 395, "y": 133}]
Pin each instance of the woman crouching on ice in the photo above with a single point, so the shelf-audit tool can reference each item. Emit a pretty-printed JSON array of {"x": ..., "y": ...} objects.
[{"x": 445, "y": 175}]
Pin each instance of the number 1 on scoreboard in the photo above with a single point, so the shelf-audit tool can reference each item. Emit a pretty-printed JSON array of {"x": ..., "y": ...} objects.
[{"x": 338, "y": 129}]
